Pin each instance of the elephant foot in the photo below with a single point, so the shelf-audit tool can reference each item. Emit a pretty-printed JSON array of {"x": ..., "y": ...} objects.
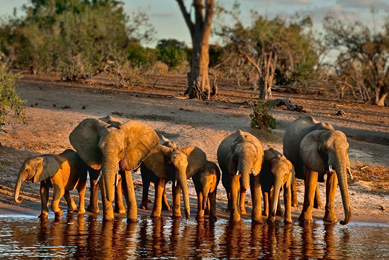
[
  {"x": 271, "y": 220},
  {"x": 132, "y": 220},
  {"x": 81, "y": 211},
  {"x": 43, "y": 215},
  {"x": 93, "y": 209},
  {"x": 305, "y": 218},
  {"x": 120, "y": 211},
  {"x": 330, "y": 218},
  {"x": 265, "y": 214},
  {"x": 71, "y": 211},
  {"x": 108, "y": 219},
  {"x": 58, "y": 214},
  {"x": 257, "y": 221},
  {"x": 212, "y": 218},
  {"x": 200, "y": 218},
  {"x": 154, "y": 216},
  {"x": 288, "y": 221},
  {"x": 243, "y": 211},
  {"x": 143, "y": 206},
  {"x": 177, "y": 217}
]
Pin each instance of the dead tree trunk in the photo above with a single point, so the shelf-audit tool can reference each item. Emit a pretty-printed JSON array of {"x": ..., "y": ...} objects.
[{"x": 200, "y": 30}]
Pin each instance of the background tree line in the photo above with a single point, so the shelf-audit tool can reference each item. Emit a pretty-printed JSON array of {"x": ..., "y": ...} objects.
[{"x": 78, "y": 39}]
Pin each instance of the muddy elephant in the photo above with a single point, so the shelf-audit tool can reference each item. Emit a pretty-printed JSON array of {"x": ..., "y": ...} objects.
[
  {"x": 276, "y": 174},
  {"x": 64, "y": 172},
  {"x": 314, "y": 149},
  {"x": 111, "y": 148},
  {"x": 175, "y": 164},
  {"x": 240, "y": 159},
  {"x": 206, "y": 181}
]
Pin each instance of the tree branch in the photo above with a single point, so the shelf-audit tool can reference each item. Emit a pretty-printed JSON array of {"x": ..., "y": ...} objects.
[
  {"x": 249, "y": 59},
  {"x": 186, "y": 15}
]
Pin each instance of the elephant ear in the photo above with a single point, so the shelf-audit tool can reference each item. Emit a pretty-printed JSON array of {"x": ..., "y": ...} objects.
[
  {"x": 141, "y": 140},
  {"x": 310, "y": 148},
  {"x": 46, "y": 167},
  {"x": 85, "y": 139},
  {"x": 196, "y": 159}
]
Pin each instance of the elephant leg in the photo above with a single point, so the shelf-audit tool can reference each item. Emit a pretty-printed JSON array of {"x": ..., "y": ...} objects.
[
  {"x": 234, "y": 189},
  {"x": 255, "y": 186},
  {"x": 176, "y": 201},
  {"x": 145, "y": 193},
  {"x": 229, "y": 206},
  {"x": 107, "y": 205},
  {"x": 309, "y": 195},
  {"x": 69, "y": 200},
  {"x": 212, "y": 205},
  {"x": 159, "y": 189},
  {"x": 93, "y": 201},
  {"x": 242, "y": 201},
  {"x": 165, "y": 204},
  {"x": 44, "y": 192},
  {"x": 295, "y": 202},
  {"x": 119, "y": 205},
  {"x": 200, "y": 210},
  {"x": 132, "y": 209},
  {"x": 265, "y": 203},
  {"x": 279, "y": 211},
  {"x": 332, "y": 182},
  {"x": 57, "y": 195},
  {"x": 288, "y": 204},
  {"x": 81, "y": 188},
  {"x": 317, "y": 203}
]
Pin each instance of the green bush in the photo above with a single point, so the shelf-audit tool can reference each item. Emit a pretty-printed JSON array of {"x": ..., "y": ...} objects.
[
  {"x": 260, "y": 117},
  {"x": 9, "y": 99}
]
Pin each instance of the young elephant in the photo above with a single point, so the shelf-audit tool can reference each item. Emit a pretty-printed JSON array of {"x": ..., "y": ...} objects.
[
  {"x": 65, "y": 171},
  {"x": 276, "y": 173},
  {"x": 206, "y": 181},
  {"x": 240, "y": 160}
]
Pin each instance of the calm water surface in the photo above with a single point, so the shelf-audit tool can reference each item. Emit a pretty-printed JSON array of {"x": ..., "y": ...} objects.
[{"x": 89, "y": 237}]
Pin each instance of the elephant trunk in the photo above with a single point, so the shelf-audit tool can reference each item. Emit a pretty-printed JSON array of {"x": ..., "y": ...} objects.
[
  {"x": 205, "y": 196},
  {"x": 342, "y": 179},
  {"x": 184, "y": 187},
  {"x": 110, "y": 170},
  {"x": 275, "y": 197},
  {"x": 17, "y": 190}
]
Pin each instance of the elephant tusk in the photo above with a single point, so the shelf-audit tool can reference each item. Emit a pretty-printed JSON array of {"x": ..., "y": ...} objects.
[
  {"x": 116, "y": 179},
  {"x": 237, "y": 172},
  {"x": 99, "y": 177},
  {"x": 350, "y": 173},
  {"x": 330, "y": 169}
]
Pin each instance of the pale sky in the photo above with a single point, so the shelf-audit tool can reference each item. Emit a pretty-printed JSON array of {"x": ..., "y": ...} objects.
[{"x": 169, "y": 23}]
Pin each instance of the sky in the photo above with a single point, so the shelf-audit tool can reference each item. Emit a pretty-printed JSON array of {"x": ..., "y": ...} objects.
[{"x": 168, "y": 21}]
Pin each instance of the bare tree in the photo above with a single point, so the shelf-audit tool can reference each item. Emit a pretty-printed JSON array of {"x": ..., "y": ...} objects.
[{"x": 200, "y": 30}]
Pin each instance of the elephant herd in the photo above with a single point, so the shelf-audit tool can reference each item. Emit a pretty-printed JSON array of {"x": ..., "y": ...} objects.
[{"x": 111, "y": 151}]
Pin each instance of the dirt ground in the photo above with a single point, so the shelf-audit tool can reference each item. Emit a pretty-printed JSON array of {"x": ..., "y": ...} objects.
[{"x": 55, "y": 108}]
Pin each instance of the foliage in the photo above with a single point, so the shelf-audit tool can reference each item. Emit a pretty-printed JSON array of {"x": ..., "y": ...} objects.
[
  {"x": 9, "y": 99},
  {"x": 72, "y": 38},
  {"x": 172, "y": 52},
  {"x": 260, "y": 117},
  {"x": 363, "y": 61},
  {"x": 280, "y": 50}
]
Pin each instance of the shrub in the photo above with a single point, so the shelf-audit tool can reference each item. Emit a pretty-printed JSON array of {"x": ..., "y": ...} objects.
[
  {"x": 260, "y": 117},
  {"x": 9, "y": 99}
]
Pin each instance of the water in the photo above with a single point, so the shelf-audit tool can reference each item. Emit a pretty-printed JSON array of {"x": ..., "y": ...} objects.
[{"x": 88, "y": 237}]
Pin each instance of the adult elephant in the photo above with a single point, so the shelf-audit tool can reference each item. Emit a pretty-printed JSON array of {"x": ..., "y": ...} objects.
[
  {"x": 111, "y": 148},
  {"x": 171, "y": 163},
  {"x": 240, "y": 158},
  {"x": 315, "y": 148}
]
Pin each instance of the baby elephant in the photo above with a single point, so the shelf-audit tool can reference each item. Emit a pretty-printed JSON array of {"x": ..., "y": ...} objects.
[
  {"x": 63, "y": 172},
  {"x": 276, "y": 173},
  {"x": 206, "y": 181}
]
